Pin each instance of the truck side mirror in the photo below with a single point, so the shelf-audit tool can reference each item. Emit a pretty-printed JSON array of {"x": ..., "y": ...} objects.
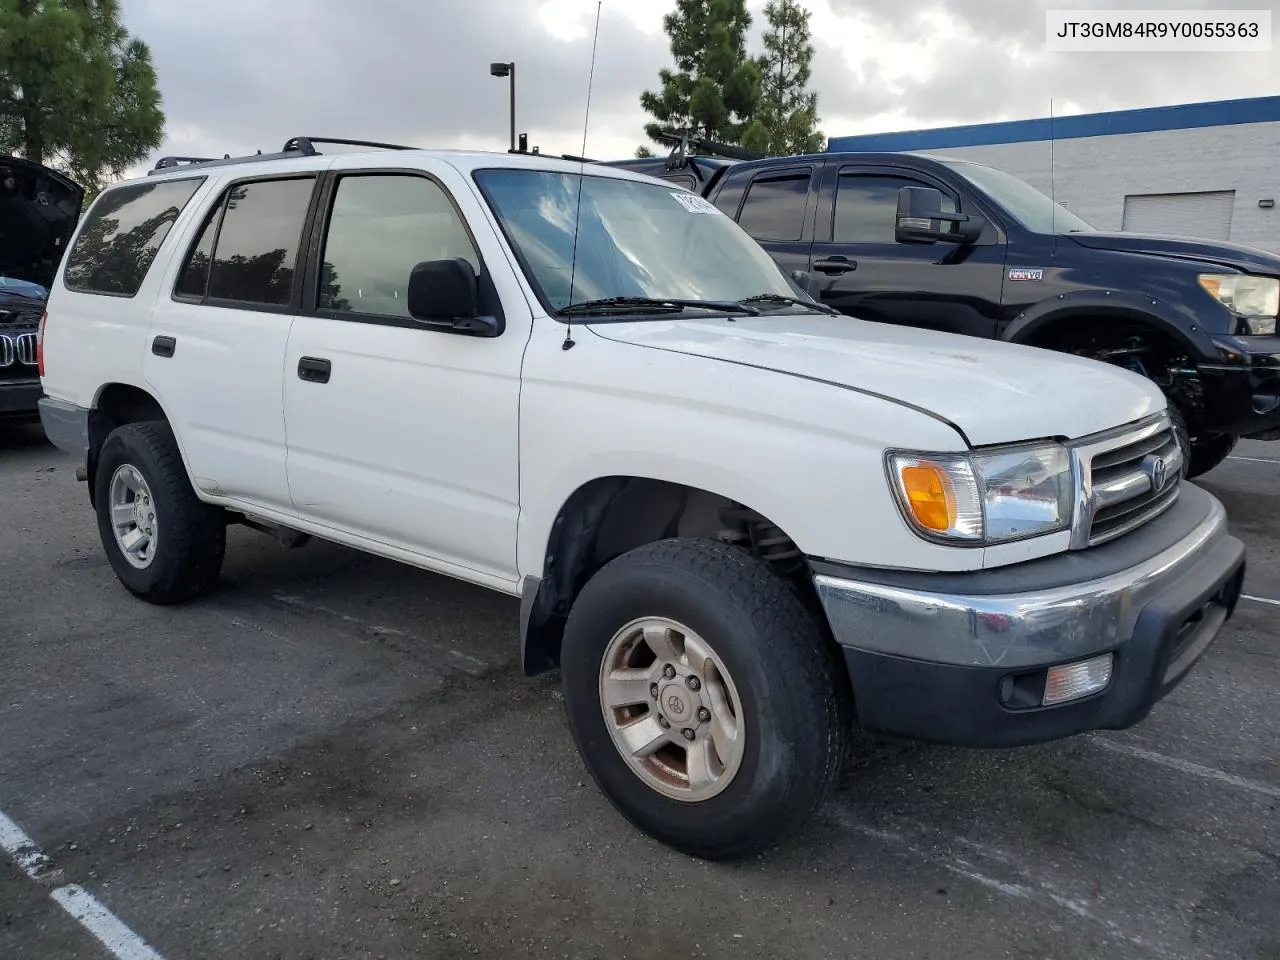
[
  {"x": 445, "y": 294},
  {"x": 807, "y": 282},
  {"x": 921, "y": 219}
]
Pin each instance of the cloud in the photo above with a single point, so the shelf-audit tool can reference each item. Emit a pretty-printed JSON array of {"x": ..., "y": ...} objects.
[{"x": 243, "y": 75}]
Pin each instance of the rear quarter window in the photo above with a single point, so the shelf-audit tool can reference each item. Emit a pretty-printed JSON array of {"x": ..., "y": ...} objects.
[{"x": 122, "y": 234}]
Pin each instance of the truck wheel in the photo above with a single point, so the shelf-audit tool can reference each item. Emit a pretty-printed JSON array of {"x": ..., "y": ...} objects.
[
  {"x": 1203, "y": 452},
  {"x": 164, "y": 544},
  {"x": 703, "y": 698}
]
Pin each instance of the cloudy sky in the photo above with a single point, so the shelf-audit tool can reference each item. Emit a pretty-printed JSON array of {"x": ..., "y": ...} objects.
[{"x": 242, "y": 75}]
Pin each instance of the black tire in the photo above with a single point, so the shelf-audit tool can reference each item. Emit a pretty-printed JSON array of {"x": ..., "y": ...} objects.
[
  {"x": 191, "y": 535},
  {"x": 1203, "y": 452},
  {"x": 790, "y": 680}
]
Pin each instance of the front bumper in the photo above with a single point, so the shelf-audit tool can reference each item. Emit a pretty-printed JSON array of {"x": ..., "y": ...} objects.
[
  {"x": 1241, "y": 396},
  {"x": 18, "y": 399},
  {"x": 950, "y": 658}
]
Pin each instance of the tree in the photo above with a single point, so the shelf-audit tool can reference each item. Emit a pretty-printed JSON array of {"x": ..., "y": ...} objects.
[
  {"x": 643, "y": 152},
  {"x": 76, "y": 91},
  {"x": 788, "y": 110},
  {"x": 715, "y": 88}
]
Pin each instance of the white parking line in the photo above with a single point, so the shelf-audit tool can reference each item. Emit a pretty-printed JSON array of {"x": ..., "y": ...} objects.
[
  {"x": 1254, "y": 460},
  {"x": 1274, "y": 603},
  {"x": 929, "y": 844},
  {"x": 1186, "y": 766},
  {"x": 105, "y": 927}
]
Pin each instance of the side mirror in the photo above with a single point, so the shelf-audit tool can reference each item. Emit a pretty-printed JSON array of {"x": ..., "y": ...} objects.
[
  {"x": 807, "y": 282},
  {"x": 445, "y": 293},
  {"x": 922, "y": 220}
]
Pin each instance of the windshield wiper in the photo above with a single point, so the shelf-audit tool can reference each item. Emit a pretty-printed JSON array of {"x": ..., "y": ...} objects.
[
  {"x": 650, "y": 305},
  {"x": 779, "y": 298}
]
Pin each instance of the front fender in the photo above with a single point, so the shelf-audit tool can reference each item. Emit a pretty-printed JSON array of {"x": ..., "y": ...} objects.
[{"x": 1170, "y": 317}]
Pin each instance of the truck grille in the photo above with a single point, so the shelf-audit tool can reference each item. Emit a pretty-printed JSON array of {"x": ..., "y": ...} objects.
[{"x": 1124, "y": 479}]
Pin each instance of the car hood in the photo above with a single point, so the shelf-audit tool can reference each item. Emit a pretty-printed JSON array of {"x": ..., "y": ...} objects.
[
  {"x": 1237, "y": 255},
  {"x": 38, "y": 214},
  {"x": 993, "y": 392}
]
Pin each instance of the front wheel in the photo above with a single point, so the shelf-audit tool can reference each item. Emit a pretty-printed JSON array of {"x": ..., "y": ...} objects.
[
  {"x": 703, "y": 698},
  {"x": 1203, "y": 452},
  {"x": 163, "y": 543}
]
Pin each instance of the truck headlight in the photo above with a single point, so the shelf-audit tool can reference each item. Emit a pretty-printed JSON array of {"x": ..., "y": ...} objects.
[
  {"x": 1255, "y": 298},
  {"x": 984, "y": 497}
]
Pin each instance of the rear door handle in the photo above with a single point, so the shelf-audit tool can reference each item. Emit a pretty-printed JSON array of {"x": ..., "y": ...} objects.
[
  {"x": 164, "y": 346},
  {"x": 314, "y": 369},
  {"x": 835, "y": 265}
]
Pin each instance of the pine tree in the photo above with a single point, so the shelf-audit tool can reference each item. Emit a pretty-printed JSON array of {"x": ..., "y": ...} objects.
[
  {"x": 715, "y": 89},
  {"x": 76, "y": 91},
  {"x": 788, "y": 110}
]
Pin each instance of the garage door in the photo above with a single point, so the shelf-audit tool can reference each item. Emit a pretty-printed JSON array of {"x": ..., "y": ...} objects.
[{"x": 1205, "y": 215}]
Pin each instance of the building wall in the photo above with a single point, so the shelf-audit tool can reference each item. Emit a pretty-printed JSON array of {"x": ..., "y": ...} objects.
[{"x": 1093, "y": 175}]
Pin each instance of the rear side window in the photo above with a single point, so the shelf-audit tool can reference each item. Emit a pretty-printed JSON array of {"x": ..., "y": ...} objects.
[
  {"x": 122, "y": 235},
  {"x": 247, "y": 248},
  {"x": 774, "y": 208}
]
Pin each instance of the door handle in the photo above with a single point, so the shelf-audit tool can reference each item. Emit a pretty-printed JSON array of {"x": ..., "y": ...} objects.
[
  {"x": 314, "y": 369},
  {"x": 835, "y": 265},
  {"x": 164, "y": 346}
]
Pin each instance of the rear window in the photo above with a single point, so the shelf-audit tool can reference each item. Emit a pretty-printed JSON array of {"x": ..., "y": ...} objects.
[{"x": 122, "y": 234}]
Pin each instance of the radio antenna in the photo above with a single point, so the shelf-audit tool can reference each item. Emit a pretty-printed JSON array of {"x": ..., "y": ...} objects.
[
  {"x": 1053, "y": 196},
  {"x": 582, "y": 173}
]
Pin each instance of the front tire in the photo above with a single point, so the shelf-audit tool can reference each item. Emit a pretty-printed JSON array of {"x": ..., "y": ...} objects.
[
  {"x": 744, "y": 737},
  {"x": 1204, "y": 452},
  {"x": 164, "y": 544}
]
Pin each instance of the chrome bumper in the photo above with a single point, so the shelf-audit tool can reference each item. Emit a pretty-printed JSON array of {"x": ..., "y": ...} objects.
[{"x": 1024, "y": 629}]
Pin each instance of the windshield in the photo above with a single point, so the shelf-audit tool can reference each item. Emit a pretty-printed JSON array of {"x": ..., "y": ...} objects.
[
  {"x": 635, "y": 239},
  {"x": 1029, "y": 206}
]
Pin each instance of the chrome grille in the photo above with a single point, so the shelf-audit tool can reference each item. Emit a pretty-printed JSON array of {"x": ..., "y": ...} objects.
[
  {"x": 1124, "y": 478},
  {"x": 20, "y": 349}
]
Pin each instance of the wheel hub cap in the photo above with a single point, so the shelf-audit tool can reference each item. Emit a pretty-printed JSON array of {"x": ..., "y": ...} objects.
[
  {"x": 133, "y": 516},
  {"x": 672, "y": 709}
]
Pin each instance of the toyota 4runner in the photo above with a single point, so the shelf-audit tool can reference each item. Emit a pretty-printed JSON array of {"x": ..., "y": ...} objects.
[{"x": 737, "y": 523}]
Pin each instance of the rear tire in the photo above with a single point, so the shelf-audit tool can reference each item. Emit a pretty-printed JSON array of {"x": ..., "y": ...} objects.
[
  {"x": 164, "y": 544},
  {"x": 726, "y": 621}
]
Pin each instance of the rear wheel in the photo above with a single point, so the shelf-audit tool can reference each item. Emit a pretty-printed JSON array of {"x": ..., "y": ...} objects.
[
  {"x": 163, "y": 543},
  {"x": 703, "y": 698}
]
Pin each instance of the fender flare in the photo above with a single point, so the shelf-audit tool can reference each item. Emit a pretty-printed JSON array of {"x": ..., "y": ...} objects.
[{"x": 1170, "y": 318}]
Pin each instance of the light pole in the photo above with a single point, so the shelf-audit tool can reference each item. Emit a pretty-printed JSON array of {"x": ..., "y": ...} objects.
[{"x": 508, "y": 70}]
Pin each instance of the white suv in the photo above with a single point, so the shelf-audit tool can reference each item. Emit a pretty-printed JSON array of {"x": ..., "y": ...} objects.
[{"x": 737, "y": 522}]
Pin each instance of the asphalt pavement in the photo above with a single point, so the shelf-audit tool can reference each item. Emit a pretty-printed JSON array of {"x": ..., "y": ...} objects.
[{"x": 337, "y": 756}]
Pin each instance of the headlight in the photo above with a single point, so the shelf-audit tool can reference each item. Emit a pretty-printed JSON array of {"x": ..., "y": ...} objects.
[
  {"x": 1257, "y": 298},
  {"x": 985, "y": 497}
]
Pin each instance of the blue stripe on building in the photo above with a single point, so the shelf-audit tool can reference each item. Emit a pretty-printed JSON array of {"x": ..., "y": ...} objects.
[{"x": 1146, "y": 120}]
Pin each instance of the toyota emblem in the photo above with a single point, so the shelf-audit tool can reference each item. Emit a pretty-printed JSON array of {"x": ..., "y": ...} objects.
[{"x": 1158, "y": 471}]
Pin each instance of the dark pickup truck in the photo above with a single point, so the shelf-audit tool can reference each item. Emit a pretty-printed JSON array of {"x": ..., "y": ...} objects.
[
  {"x": 959, "y": 246},
  {"x": 39, "y": 209}
]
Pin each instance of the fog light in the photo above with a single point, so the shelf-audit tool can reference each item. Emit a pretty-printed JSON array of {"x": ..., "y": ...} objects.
[{"x": 1076, "y": 680}]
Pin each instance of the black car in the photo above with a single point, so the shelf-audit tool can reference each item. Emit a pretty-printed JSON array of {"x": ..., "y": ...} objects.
[
  {"x": 959, "y": 246},
  {"x": 39, "y": 210}
]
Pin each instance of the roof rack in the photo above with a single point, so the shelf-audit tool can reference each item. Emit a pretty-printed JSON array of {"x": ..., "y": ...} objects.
[
  {"x": 684, "y": 144},
  {"x": 293, "y": 147}
]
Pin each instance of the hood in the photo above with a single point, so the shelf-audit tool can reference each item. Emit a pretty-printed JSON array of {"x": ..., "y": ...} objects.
[
  {"x": 1237, "y": 255},
  {"x": 39, "y": 210},
  {"x": 994, "y": 392}
]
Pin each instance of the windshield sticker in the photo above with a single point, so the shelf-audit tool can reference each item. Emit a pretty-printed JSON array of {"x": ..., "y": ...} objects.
[
  {"x": 1025, "y": 273},
  {"x": 696, "y": 204}
]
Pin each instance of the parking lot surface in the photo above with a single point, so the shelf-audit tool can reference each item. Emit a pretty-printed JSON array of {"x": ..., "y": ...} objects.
[{"x": 338, "y": 757}]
